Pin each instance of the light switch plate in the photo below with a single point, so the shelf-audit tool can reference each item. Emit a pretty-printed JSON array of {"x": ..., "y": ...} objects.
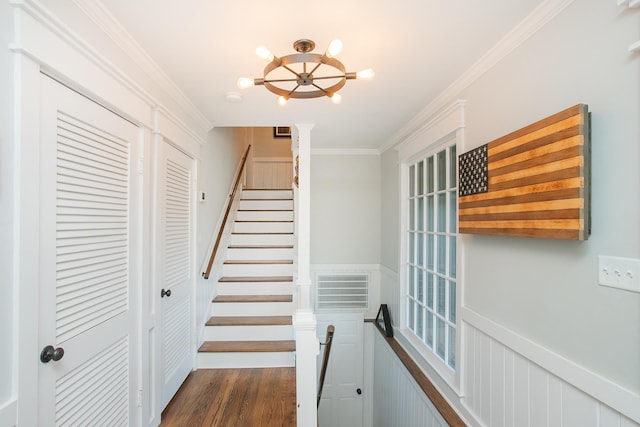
[{"x": 621, "y": 273}]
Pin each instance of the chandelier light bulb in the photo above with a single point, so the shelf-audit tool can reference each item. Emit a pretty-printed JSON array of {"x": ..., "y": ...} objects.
[
  {"x": 335, "y": 47},
  {"x": 245, "y": 82},
  {"x": 264, "y": 53},
  {"x": 282, "y": 101},
  {"x": 367, "y": 74},
  {"x": 336, "y": 98}
]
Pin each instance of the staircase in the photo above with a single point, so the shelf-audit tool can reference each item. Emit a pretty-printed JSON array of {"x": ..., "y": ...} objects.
[{"x": 251, "y": 326}]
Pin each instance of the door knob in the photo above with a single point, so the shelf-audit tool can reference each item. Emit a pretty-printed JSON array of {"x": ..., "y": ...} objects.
[
  {"x": 359, "y": 391},
  {"x": 50, "y": 353},
  {"x": 164, "y": 293}
]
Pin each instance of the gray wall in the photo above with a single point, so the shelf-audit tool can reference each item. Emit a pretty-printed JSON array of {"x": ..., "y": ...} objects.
[
  {"x": 547, "y": 290},
  {"x": 6, "y": 203},
  {"x": 345, "y": 209}
]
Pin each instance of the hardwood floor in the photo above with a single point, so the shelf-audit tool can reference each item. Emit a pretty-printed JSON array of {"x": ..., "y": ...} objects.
[{"x": 234, "y": 398}]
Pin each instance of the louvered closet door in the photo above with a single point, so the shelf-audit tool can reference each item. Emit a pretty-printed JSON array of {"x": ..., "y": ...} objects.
[
  {"x": 176, "y": 267},
  {"x": 86, "y": 298}
]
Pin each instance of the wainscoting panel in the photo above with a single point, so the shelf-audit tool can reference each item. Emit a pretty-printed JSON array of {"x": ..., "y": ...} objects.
[
  {"x": 503, "y": 388},
  {"x": 397, "y": 399},
  {"x": 272, "y": 172}
]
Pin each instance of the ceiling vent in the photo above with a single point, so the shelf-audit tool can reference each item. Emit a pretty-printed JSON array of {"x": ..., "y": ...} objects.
[{"x": 342, "y": 291}]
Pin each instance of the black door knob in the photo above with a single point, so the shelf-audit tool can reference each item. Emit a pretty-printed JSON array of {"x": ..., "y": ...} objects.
[
  {"x": 359, "y": 391},
  {"x": 50, "y": 353},
  {"x": 164, "y": 293}
]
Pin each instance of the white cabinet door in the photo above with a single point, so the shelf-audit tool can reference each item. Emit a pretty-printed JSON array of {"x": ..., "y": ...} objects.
[
  {"x": 342, "y": 404},
  {"x": 86, "y": 299},
  {"x": 175, "y": 267}
]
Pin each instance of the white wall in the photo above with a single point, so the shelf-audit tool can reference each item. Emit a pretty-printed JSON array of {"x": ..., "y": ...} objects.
[
  {"x": 544, "y": 293},
  {"x": 6, "y": 216},
  {"x": 345, "y": 209}
]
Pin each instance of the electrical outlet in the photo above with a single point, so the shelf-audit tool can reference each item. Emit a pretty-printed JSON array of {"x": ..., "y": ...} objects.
[{"x": 622, "y": 273}]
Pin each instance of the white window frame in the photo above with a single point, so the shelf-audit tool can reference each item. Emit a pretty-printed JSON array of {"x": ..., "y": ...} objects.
[{"x": 444, "y": 130}]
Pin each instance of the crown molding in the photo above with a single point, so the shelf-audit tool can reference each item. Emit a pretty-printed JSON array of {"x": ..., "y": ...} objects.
[
  {"x": 345, "y": 152},
  {"x": 539, "y": 17},
  {"x": 100, "y": 15}
]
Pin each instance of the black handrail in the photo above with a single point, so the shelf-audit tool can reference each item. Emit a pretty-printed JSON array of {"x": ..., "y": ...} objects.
[
  {"x": 226, "y": 214},
  {"x": 325, "y": 359}
]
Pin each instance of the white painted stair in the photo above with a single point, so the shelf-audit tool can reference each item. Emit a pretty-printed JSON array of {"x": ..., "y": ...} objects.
[{"x": 252, "y": 313}]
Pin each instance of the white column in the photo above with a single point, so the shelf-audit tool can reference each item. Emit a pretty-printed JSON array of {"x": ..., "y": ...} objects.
[{"x": 304, "y": 320}]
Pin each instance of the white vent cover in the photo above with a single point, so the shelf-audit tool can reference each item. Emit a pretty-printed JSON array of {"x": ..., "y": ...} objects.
[{"x": 342, "y": 291}]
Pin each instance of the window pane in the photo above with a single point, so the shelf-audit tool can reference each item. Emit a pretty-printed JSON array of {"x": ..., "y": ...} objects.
[
  {"x": 420, "y": 258},
  {"x": 421, "y": 213},
  {"x": 442, "y": 170},
  {"x": 452, "y": 302},
  {"x": 451, "y": 357},
  {"x": 412, "y": 214},
  {"x": 430, "y": 173},
  {"x": 442, "y": 212},
  {"x": 411, "y": 248},
  {"x": 442, "y": 254},
  {"x": 410, "y": 309},
  {"x": 431, "y": 213},
  {"x": 441, "y": 296},
  {"x": 452, "y": 257},
  {"x": 412, "y": 282},
  {"x": 419, "y": 322},
  {"x": 420, "y": 178},
  {"x": 429, "y": 330},
  {"x": 430, "y": 251},
  {"x": 453, "y": 212},
  {"x": 452, "y": 167},
  {"x": 412, "y": 180},
  {"x": 440, "y": 338},
  {"x": 430, "y": 290},
  {"x": 420, "y": 285}
]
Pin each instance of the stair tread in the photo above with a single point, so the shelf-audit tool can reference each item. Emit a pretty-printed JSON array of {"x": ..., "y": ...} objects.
[
  {"x": 249, "y": 320},
  {"x": 253, "y": 298},
  {"x": 260, "y": 246},
  {"x": 269, "y": 200},
  {"x": 265, "y": 210},
  {"x": 262, "y": 232},
  {"x": 261, "y": 262},
  {"x": 247, "y": 346},
  {"x": 256, "y": 279},
  {"x": 264, "y": 220}
]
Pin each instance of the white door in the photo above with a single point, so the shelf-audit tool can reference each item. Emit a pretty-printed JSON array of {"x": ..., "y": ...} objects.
[
  {"x": 176, "y": 267},
  {"x": 342, "y": 395},
  {"x": 86, "y": 299}
]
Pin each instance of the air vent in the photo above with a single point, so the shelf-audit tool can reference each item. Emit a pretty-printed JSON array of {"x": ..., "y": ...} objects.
[{"x": 342, "y": 291}]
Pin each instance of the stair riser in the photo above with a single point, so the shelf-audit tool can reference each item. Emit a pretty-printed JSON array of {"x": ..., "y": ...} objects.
[
  {"x": 263, "y": 227},
  {"x": 270, "y": 288},
  {"x": 249, "y": 333},
  {"x": 252, "y": 309},
  {"x": 266, "y": 205},
  {"x": 261, "y": 239},
  {"x": 264, "y": 215},
  {"x": 261, "y": 254},
  {"x": 245, "y": 360},
  {"x": 256, "y": 270},
  {"x": 267, "y": 194}
]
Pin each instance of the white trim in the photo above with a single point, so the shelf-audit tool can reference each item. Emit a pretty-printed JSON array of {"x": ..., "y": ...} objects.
[
  {"x": 345, "y": 152},
  {"x": 104, "y": 20},
  {"x": 8, "y": 413},
  {"x": 540, "y": 16},
  {"x": 622, "y": 400}
]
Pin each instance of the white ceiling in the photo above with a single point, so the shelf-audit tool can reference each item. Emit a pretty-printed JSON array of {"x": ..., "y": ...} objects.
[{"x": 416, "y": 47}]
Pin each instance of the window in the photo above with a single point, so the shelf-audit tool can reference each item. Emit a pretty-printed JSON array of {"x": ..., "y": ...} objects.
[{"x": 432, "y": 242}]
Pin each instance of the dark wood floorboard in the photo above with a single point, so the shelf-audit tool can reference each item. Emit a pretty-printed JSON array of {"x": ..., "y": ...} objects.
[{"x": 234, "y": 398}]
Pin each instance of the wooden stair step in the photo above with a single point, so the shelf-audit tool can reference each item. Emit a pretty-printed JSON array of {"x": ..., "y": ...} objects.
[
  {"x": 265, "y": 210},
  {"x": 263, "y": 220},
  {"x": 235, "y": 279},
  {"x": 261, "y": 262},
  {"x": 261, "y": 232},
  {"x": 267, "y": 200},
  {"x": 253, "y": 298},
  {"x": 247, "y": 346},
  {"x": 249, "y": 321}
]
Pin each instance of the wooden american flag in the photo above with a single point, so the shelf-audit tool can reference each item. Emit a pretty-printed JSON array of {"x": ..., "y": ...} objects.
[{"x": 533, "y": 182}]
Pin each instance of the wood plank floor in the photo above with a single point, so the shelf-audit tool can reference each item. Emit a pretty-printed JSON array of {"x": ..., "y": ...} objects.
[{"x": 234, "y": 398}]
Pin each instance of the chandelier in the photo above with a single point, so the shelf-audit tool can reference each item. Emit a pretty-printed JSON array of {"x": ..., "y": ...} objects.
[{"x": 304, "y": 74}]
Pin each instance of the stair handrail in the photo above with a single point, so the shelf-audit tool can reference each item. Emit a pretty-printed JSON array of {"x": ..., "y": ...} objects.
[
  {"x": 232, "y": 196},
  {"x": 325, "y": 359}
]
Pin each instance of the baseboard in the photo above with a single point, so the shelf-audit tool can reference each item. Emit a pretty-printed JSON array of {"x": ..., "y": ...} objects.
[{"x": 8, "y": 414}]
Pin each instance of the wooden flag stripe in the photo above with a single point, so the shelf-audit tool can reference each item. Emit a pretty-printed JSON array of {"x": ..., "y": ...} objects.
[
  {"x": 541, "y": 160},
  {"x": 571, "y": 163},
  {"x": 564, "y": 144},
  {"x": 528, "y": 189},
  {"x": 527, "y": 232},
  {"x": 549, "y": 205},
  {"x": 522, "y": 215},
  {"x": 539, "y": 142},
  {"x": 569, "y": 193},
  {"x": 567, "y": 224},
  {"x": 538, "y": 179}
]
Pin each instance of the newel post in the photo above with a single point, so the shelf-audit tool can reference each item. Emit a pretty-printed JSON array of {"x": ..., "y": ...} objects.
[{"x": 304, "y": 320}]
